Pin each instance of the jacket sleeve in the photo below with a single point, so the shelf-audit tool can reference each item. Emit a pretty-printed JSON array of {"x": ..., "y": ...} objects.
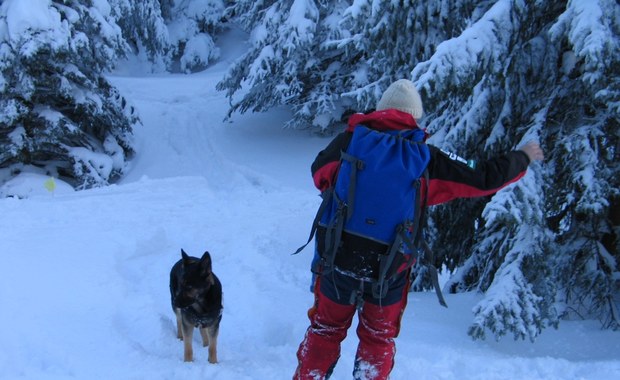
[
  {"x": 325, "y": 166},
  {"x": 450, "y": 178}
]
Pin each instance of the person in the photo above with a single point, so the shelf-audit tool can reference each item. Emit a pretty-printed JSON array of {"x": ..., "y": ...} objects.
[{"x": 338, "y": 296}]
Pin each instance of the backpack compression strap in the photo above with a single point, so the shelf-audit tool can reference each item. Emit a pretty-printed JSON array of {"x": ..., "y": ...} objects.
[
  {"x": 429, "y": 257},
  {"x": 327, "y": 197},
  {"x": 334, "y": 230},
  {"x": 333, "y": 233}
]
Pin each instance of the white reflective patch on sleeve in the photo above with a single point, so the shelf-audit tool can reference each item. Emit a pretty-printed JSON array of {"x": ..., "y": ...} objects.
[{"x": 454, "y": 156}]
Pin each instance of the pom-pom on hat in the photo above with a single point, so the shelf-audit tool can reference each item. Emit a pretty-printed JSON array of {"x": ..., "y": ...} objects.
[{"x": 403, "y": 96}]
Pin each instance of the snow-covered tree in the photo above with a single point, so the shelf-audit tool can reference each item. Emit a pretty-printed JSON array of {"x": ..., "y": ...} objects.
[
  {"x": 515, "y": 251},
  {"x": 547, "y": 71},
  {"x": 472, "y": 87},
  {"x": 144, "y": 28},
  {"x": 585, "y": 205},
  {"x": 193, "y": 27},
  {"x": 327, "y": 59},
  {"x": 172, "y": 35},
  {"x": 281, "y": 58},
  {"x": 59, "y": 115}
]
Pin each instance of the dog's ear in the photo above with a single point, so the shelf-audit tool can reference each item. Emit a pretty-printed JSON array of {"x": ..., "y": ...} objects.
[
  {"x": 184, "y": 257},
  {"x": 205, "y": 263}
]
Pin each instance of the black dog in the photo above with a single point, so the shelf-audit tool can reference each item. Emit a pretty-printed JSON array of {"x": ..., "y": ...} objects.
[{"x": 197, "y": 302}]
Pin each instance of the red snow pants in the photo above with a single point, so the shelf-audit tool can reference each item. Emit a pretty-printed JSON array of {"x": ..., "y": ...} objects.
[{"x": 337, "y": 297}]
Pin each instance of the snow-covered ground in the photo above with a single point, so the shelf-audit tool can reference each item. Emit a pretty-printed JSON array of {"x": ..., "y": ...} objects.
[{"x": 84, "y": 275}]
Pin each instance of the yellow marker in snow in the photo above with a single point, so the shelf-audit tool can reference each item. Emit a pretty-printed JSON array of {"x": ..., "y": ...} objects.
[{"x": 50, "y": 185}]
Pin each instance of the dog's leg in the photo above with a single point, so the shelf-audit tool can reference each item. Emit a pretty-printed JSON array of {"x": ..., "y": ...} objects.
[
  {"x": 177, "y": 312},
  {"x": 213, "y": 332},
  {"x": 205, "y": 336},
  {"x": 188, "y": 332}
]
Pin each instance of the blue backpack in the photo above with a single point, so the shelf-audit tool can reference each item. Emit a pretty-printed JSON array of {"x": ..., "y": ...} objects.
[{"x": 377, "y": 197}]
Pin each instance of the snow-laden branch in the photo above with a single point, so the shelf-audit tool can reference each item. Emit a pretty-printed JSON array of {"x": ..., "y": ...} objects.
[
  {"x": 458, "y": 61},
  {"x": 584, "y": 24},
  {"x": 588, "y": 29}
]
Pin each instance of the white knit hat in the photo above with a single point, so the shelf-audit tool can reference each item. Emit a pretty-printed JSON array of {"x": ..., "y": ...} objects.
[{"x": 403, "y": 96}]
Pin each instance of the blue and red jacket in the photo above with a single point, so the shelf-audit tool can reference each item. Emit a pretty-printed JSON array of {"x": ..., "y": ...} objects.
[{"x": 449, "y": 178}]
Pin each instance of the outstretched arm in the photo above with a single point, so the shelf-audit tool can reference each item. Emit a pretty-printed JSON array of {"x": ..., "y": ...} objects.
[{"x": 450, "y": 178}]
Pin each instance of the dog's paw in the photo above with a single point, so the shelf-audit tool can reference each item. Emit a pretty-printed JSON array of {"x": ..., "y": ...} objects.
[{"x": 212, "y": 355}]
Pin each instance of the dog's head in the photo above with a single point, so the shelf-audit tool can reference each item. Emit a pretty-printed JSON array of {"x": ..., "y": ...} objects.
[{"x": 195, "y": 281}]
